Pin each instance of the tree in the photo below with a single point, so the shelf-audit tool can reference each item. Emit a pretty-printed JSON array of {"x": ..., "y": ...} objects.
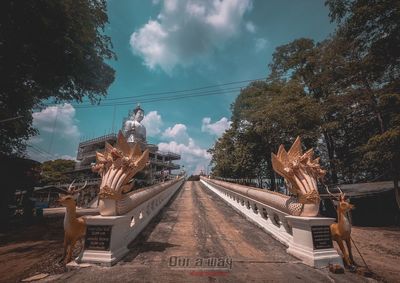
[
  {"x": 49, "y": 49},
  {"x": 382, "y": 151},
  {"x": 53, "y": 171},
  {"x": 311, "y": 65},
  {"x": 223, "y": 155},
  {"x": 324, "y": 70},
  {"x": 341, "y": 94},
  {"x": 372, "y": 29},
  {"x": 265, "y": 115}
]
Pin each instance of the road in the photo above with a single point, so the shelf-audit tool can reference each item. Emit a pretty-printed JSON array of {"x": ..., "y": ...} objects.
[{"x": 199, "y": 238}]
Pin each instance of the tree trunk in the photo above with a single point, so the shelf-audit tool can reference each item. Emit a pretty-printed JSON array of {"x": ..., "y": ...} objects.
[
  {"x": 272, "y": 176},
  {"x": 397, "y": 191},
  {"x": 375, "y": 107},
  {"x": 380, "y": 121},
  {"x": 396, "y": 184},
  {"x": 331, "y": 155}
]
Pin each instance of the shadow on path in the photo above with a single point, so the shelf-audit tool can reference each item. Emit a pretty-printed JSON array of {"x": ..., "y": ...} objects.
[{"x": 140, "y": 244}]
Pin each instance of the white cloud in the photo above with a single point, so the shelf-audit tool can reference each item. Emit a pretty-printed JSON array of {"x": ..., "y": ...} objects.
[
  {"x": 58, "y": 133},
  {"x": 217, "y": 128},
  {"x": 194, "y": 158},
  {"x": 177, "y": 133},
  {"x": 152, "y": 121},
  {"x": 35, "y": 140},
  {"x": 260, "y": 44},
  {"x": 250, "y": 27},
  {"x": 58, "y": 119},
  {"x": 170, "y": 5},
  {"x": 68, "y": 157},
  {"x": 186, "y": 30}
]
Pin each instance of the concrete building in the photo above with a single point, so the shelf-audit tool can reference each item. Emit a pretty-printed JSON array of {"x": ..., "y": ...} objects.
[{"x": 161, "y": 163}]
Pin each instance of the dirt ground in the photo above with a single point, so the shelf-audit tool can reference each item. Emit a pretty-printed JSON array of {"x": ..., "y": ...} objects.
[
  {"x": 380, "y": 247},
  {"x": 26, "y": 250},
  {"x": 196, "y": 225}
]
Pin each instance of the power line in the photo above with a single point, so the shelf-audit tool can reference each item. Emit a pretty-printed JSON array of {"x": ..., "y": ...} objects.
[
  {"x": 10, "y": 119},
  {"x": 184, "y": 93},
  {"x": 181, "y": 91},
  {"x": 233, "y": 90},
  {"x": 39, "y": 152},
  {"x": 169, "y": 98},
  {"x": 42, "y": 150},
  {"x": 53, "y": 131},
  {"x": 43, "y": 153}
]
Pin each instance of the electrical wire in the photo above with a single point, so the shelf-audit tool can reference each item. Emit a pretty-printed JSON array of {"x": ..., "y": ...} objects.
[
  {"x": 181, "y": 91},
  {"x": 41, "y": 152},
  {"x": 150, "y": 100},
  {"x": 180, "y": 94}
]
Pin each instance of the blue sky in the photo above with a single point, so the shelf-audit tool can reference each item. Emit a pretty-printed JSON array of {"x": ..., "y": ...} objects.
[{"x": 176, "y": 45}]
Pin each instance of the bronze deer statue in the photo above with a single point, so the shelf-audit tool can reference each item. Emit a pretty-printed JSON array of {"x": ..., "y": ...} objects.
[
  {"x": 341, "y": 231},
  {"x": 74, "y": 227}
]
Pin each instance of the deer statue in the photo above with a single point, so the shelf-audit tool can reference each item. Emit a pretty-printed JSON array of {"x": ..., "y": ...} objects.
[
  {"x": 341, "y": 230},
  {"x": 74, "y": 228}
]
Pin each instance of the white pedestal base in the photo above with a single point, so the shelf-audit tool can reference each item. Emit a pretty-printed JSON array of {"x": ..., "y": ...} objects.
[
  {"x": 118, "y": 245},
  {"x": 302, "y": 245}
]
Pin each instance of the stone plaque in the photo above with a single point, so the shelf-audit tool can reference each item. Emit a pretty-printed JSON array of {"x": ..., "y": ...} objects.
[
  {"x": 321, "y": 236},
  {"x": 98, "y": 237}
]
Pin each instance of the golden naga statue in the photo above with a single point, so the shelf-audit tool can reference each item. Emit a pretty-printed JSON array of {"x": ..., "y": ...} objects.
[
  {"x": 301, "y": 173},
  {"x": 117, "y": 165}
]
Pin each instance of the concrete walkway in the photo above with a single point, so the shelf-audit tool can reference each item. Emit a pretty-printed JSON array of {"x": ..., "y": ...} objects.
[{"x": 198, "y": 238}]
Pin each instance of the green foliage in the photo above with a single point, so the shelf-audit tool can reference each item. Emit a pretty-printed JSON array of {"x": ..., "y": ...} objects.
[
  {"x": 49, "y": 49},
  {"x": 372, "y": 30},
  {"x": 222, "y": 154},
  {"x": 341, "y": 95},
  {"x": 264, "y": 116},
  {"x": 382, "y": 151},
  {"x": 53, "y": 171}
]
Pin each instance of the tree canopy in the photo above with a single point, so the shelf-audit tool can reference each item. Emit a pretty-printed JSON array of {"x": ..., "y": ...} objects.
[
  {"x": 49, "y": 50},
  {"x": 53, "y": 171},
  {"x": 341, "y": 95}
]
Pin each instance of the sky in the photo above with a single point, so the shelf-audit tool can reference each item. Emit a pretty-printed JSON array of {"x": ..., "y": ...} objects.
[{"x": 184, "y": 61}]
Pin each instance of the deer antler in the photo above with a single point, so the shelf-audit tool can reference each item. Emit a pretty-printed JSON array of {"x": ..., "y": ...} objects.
[
  {"x": 80, "y": 189},
  {"x": 69, "y": 190},
  {"x": 326, "y": 187},
  {"x": 342, "y": 194}
]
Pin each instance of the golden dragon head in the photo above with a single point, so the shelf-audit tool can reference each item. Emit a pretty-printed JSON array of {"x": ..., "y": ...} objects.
[
  {"x": 300, "y": 171},
  {"x": 117, "y": 166}
]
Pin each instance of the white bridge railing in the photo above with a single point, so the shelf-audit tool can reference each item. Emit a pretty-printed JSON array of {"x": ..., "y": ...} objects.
[
  {"x": 307, "y": 238},
  {"x": 107, "y": 237},
  {"x": 268, "y": 218}
]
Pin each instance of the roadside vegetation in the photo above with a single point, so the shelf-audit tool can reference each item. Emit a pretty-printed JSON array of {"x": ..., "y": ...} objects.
[
  {"x": 341, "y": 95},
  {"x": 50, "y": 52}
]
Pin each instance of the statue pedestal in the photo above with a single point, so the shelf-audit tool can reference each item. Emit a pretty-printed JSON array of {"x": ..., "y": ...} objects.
[
  {"x": 106, "y": 239},
  {"x": 312, "y": 241}
]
